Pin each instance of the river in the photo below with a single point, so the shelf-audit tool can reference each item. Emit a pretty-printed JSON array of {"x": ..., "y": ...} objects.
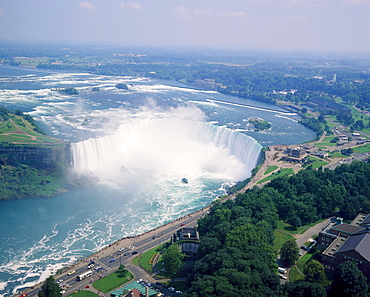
[{"x": 140, "y": 143}]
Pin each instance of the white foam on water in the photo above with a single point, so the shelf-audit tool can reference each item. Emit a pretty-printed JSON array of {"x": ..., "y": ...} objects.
[{"x": 155, "y": 146}]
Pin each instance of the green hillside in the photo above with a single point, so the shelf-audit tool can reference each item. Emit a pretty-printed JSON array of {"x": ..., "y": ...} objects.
[{"x": 19, "y": 128}]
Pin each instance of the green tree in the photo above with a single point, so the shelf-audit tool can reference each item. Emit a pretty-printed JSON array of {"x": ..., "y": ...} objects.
[
  {"x": 295, "y": 222},
  {"x": 347, "y": 211},
  {"x": 121, "y": 272},
  {"x": 348, "y": 281},
  {"x": 304, "y": 289},
  {"x": 314, "y": 271},
  {"x": 50, "y": 288},
  {"x": 172, "y": 259},
  {"x": 289, "y": 252}
]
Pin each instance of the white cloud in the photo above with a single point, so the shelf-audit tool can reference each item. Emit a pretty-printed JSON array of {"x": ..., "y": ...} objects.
[
  {"x": 86, "y": 5},
  {"x": 183, "y": 10},
  {"x": 132, "y": 5},
  {"x": 202, "y": 12},
  {"x": 234, "y": 14},
  {"x": 300, "y": 18},
  {"x": 186, "y": 13}
]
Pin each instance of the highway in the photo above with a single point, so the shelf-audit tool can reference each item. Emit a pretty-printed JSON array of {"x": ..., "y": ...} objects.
[{"x": 108, "y": 260}]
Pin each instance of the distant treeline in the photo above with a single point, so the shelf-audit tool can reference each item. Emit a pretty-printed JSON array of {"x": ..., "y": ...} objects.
[{"x": 255, "y": 81}]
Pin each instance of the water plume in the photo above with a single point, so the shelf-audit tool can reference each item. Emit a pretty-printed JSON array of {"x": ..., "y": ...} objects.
[{"x": 153, "y": 145}]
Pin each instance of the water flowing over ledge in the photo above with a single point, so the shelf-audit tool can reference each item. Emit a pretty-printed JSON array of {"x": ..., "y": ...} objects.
[{"x": 167, "y": 148}]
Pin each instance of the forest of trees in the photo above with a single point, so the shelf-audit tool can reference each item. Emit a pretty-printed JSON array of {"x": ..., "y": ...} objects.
[{"x": 236, "y": 255}]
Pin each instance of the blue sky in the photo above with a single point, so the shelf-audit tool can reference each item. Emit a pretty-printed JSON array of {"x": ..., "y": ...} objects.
[{"x": 281, "y": 25}]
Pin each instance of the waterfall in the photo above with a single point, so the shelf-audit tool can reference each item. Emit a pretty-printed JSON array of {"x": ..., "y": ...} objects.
[{"x": 167, "y": 148}]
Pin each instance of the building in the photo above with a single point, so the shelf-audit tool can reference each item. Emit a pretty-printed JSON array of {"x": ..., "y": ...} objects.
[
  {"x": 189, "y": 238},
  {"x": 208, "y": 83},
  {"x": 328, "y": 106},
  {"x": 186, "y": 234},
  {"x": 296, "y": 154},
  {"x": 134, "y": 293},
  {"x": 342, "y": 242}
]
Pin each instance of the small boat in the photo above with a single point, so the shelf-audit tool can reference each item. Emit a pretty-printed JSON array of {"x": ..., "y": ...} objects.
[{"x": 185, "y": 180}]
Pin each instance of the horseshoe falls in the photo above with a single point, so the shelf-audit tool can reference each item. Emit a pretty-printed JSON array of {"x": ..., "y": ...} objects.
[
  {"x": 139, "y": 143},
  {"x": 164, "y": 150}
]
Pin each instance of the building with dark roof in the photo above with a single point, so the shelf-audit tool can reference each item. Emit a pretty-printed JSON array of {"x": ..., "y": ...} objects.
[
  {"x": 186, "y": 234},
  {"x": 344, "y": 242},
  {"x": 328, "y": 106},
  {"x": 365, "y": 221}
]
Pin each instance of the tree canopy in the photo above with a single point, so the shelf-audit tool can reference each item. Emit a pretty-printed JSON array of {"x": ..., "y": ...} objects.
[
  {"x": 50, "y": 288},
  {"x": 172, "y": 259},
  {"x": 314, "y": 271},
  {"x": 348, "y": 281},
  {"x": 289, "y": 252}
]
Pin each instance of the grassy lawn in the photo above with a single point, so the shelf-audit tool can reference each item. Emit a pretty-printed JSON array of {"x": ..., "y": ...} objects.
[
  {"x": 135, "y": 260},
  {"x": 337, "y": 155},
  {"x": 289, "y": 228},
  {"x": 325, "y": 143},
  {"x": 84, "y": 293},
  {"x": 358, "y": 115},
  {"x": 12, "y": 138},
  {"x": 294, "y": 274},
  {"x": 362, "y": 149},
  {"x": 331, "y": 124},
  {"x": 281, "y": 172},
  {"x": 303, "y": 260},
  {"x": 280, "y": 239},
  {"x": 20, "y": 130},
  {"x": 316, "y": 163},
  {"x": 366, "y": 130},
  {"x": 145, "y": 259},
  {"x": 328, "y": 138},
  {"x": 270, "y": 169},
  {"x": 49, "y": 140},
  {"x": 113, "y": 281}
]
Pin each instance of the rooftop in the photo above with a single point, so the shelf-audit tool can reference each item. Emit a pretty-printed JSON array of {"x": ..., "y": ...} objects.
[
  {"x": 347, "y": 228},
  {"x": 357, "y": 246}
]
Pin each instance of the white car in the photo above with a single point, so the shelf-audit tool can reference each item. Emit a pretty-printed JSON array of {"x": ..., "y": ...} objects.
[
  {"x": 171, "y": 289},
  {"x": 179, "y": 292}
]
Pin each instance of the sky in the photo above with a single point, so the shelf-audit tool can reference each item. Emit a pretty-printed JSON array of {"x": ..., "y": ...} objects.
[{"x": 275, "y": 25}]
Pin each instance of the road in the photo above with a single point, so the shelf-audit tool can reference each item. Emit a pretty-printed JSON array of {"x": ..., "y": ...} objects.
[
  {"x": 144, "y": 242},
  {"x": 116, "y": 251},
  {"x": 314, "y": 230}
]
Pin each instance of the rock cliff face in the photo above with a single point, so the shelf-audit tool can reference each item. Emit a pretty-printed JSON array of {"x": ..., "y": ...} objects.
[{"x": 42, "y": 157}]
